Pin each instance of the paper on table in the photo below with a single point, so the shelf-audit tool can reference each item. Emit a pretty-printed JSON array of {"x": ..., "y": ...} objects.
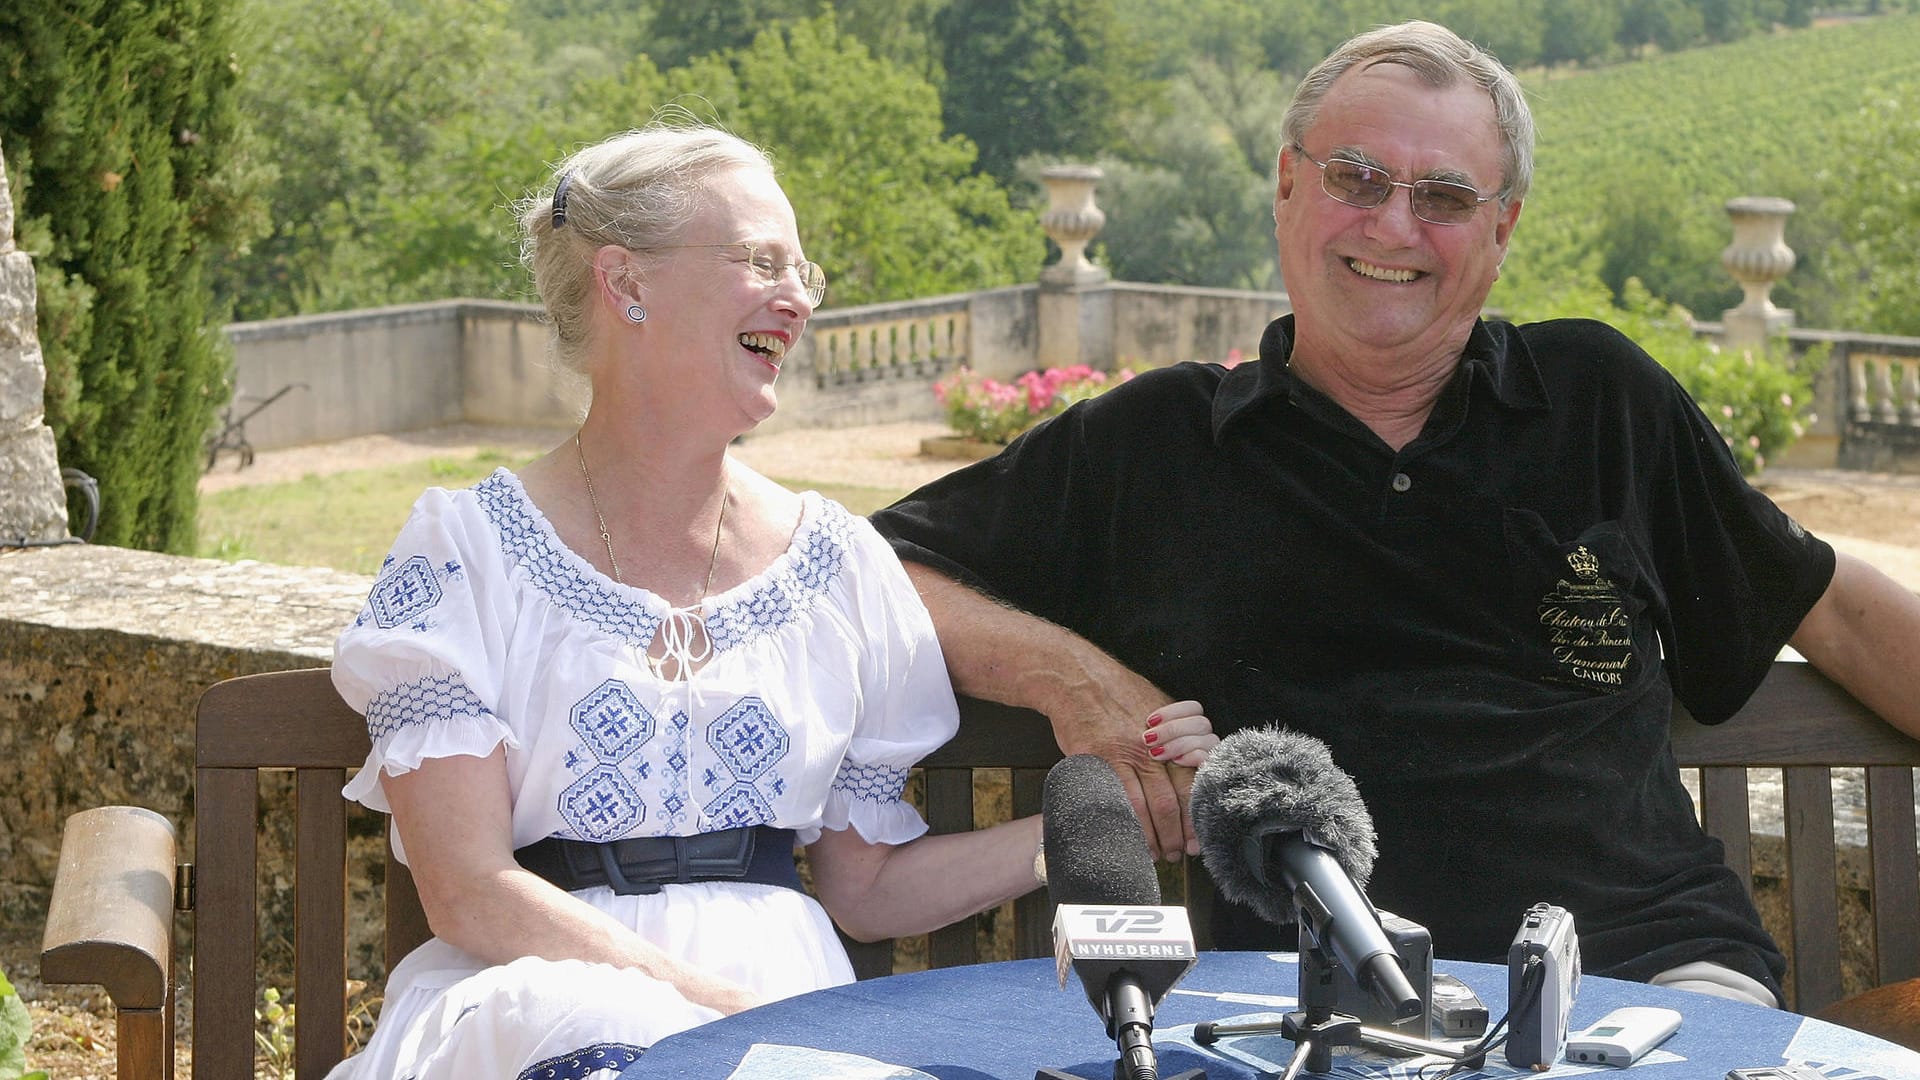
[{"x": 775, "y": 1061}]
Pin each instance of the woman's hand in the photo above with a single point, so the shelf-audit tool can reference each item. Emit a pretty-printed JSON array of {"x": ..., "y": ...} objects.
[
  {"x": 1179, "y": 733},
  {"x": 1125, "y": 719}
]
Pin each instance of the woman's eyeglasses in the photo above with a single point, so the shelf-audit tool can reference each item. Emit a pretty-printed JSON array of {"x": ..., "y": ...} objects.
[
  {"x": 769, "y": 270},
  {"x": 1364, "y": 186}
]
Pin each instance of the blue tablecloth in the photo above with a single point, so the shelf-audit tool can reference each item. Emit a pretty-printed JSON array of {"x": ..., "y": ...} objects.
[{"x": 1003, "y": 1021}]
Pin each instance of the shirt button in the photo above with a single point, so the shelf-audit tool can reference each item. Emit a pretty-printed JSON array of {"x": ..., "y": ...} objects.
[{"x": 1401, "y": 481}]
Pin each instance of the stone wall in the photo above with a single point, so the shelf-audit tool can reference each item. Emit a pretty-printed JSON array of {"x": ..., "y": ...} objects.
[
  {"x": 33, "y": 501},
  {"x": 103, "y": 655},
  {"x": 415, "y": 366}
]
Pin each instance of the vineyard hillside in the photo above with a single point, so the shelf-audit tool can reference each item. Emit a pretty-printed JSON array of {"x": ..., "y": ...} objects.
[{"x": 1635, "y": 163}]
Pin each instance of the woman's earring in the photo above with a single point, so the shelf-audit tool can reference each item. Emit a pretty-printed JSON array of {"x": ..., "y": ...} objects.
[{"x": 636, "y": 314}]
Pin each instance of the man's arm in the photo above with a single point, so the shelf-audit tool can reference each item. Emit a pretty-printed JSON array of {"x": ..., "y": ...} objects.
[
  {"x": 1864, "y": 633},
  {"x": 1096, "y": 704}
]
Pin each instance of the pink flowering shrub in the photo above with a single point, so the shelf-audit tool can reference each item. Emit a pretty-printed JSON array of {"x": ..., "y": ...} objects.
[{"x": 995, "y": 412}]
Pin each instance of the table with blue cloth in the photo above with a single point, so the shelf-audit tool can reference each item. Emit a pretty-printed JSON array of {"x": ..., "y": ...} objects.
[{"x": 1004, "y": 1021}]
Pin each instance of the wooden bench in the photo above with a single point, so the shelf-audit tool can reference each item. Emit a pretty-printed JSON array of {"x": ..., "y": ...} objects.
[{"x": 118, "y": 886}]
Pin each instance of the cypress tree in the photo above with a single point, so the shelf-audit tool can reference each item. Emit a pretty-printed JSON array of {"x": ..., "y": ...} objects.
[{"x": 127, "y": 149}]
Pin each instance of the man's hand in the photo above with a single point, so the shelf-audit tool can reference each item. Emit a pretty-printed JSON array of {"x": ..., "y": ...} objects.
[
  {"x": 1097, "y": 705},
  {"x": 1126, "y": 724}
]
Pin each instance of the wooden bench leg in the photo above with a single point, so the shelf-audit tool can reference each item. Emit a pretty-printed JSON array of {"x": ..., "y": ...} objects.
[{"x": 145, "y": 1044}]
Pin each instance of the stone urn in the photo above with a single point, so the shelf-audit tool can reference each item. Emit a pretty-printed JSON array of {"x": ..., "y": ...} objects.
[{"x": 1072, "y": 221}]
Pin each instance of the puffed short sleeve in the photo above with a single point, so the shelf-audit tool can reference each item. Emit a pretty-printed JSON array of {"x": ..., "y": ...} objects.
[
  {"x": 423, "y": 659},
  {"x": 907, "y": 708}
]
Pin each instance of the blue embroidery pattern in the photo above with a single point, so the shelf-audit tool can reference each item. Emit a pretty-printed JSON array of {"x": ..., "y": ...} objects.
[
  {"x": 741, "y": 804},
  {"x": 578, "y": 1064},
  {"x": 793, "y": 585},
  {"x": 673, "y": 794},
  {"x": 404, "y": 592},
  {"x": 871, "y": 783},
  {"x": 604, "y": 804},
  {"x": 601, "y": 805},
  {"x": 612, "y": 721},
  {"x": 532, "y": 547},
  {"x": 749, "y": 741},
  {"x": 424, "y": 701}
]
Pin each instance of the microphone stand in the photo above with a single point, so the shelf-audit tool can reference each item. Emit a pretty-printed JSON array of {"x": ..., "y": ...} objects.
[
  {"x": 1131, "y": 1027},
  {"x": 1316, "y": 1029}
]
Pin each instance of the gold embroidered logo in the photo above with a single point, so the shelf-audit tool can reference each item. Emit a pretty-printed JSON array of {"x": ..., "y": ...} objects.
[
  {"x": 1585, "y": 566},
  {"x": 1587, "y": 625}
]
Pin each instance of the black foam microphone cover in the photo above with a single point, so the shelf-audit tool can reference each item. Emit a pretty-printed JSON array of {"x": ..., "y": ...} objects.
[{"x": 1095, "y": 851}]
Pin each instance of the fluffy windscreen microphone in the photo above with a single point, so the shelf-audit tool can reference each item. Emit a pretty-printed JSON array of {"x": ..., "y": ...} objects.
[
  {"x": 1095, "y": 852},
  {"x": 1283, "y": 831},
  {"x": 1263, "y": 781}
]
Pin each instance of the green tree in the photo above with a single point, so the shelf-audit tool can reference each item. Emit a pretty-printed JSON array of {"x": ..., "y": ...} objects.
[
  {"x": 1871, "y": 194},
  {"x": 886, "y": 202},
  {"x": 1193, "y": 205},
  {"x": 1578, "y": 31},
  {"x": 682, "y": 31},
  {"x": 899, "y": 31},
  {"x": 1668, "y": 24},
  {"x": 615, "y": 28},
  {"x": 130, "y": 163},
  {"x": 355, "y": 100},
  {"x": 1513, "y": 30},
  {"x": 1051, "y": 77}
]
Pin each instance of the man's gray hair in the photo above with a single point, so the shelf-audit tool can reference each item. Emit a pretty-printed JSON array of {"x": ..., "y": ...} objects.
[{"x": 1442, "y": 59}]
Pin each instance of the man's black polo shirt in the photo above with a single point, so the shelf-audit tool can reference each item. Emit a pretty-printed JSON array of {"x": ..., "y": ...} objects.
[{"x": 1475, "y": 624}]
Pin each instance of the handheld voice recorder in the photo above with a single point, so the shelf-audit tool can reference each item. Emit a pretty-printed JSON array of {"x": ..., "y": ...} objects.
[{"x": 1543, "y": 976}]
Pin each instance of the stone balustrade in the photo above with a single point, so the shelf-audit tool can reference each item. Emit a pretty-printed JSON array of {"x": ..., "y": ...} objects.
[
  {"x": 1882, "y": 391},
  {"x": 1885, "y": 388},
  {"x": 878, "y": 341}
]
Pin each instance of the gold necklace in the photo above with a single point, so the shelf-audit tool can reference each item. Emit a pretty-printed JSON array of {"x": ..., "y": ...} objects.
[{"x": 719, "y": 527}]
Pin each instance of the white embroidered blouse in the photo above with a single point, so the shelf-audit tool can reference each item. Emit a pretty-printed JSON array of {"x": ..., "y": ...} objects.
[{"x": 825, "y": 686}]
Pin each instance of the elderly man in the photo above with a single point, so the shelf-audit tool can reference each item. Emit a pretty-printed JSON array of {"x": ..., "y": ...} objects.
[{"x": 1476, "y": 559}]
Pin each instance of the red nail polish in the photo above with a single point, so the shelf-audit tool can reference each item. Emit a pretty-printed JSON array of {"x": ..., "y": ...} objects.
[
  {"x": 1154, "y": 720},
  {"x": 1153, "y": 736},
  {"x": 1156, "y": 751}
]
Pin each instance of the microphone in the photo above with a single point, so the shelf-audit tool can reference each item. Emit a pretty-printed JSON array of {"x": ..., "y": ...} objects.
[
  {"x": 1283, "y": 831},
  {"x": 1109, "y": 927}
]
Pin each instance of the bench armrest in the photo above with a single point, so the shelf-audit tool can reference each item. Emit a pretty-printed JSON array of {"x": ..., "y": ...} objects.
[{"x": 110, "y": 922}]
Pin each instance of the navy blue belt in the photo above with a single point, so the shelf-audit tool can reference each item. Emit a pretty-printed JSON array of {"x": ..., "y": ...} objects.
[{"x": 640, "y": 865}]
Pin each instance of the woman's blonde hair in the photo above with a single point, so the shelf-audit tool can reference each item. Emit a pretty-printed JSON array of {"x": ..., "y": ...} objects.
[{"x": 636, "y": 190}]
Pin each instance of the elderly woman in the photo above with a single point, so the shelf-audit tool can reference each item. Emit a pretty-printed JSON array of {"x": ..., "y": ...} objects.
[{"x": 610, "y": 692}]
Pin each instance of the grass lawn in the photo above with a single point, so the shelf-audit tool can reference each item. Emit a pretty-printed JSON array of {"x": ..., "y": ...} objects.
[{"x": 347, "y": 520}]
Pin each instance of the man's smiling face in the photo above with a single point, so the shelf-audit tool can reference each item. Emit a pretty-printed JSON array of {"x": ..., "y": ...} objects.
[{"x": 1380, "y": 282}]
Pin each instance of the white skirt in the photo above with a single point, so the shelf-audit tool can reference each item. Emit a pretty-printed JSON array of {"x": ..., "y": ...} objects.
[{"x": 447, "y": 1015}]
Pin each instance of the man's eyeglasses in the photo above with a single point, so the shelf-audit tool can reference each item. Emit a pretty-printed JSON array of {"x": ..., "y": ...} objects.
[
  {"x": 1361, "y": 185},
  {"x": 767, "y": 269}
]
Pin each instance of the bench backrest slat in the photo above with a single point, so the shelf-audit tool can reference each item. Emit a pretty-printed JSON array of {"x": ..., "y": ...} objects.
[
  {"x": 1896, "y": 872},
  {"x": 226, "y": 804},
  {"x": 320, "y": 917}
]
